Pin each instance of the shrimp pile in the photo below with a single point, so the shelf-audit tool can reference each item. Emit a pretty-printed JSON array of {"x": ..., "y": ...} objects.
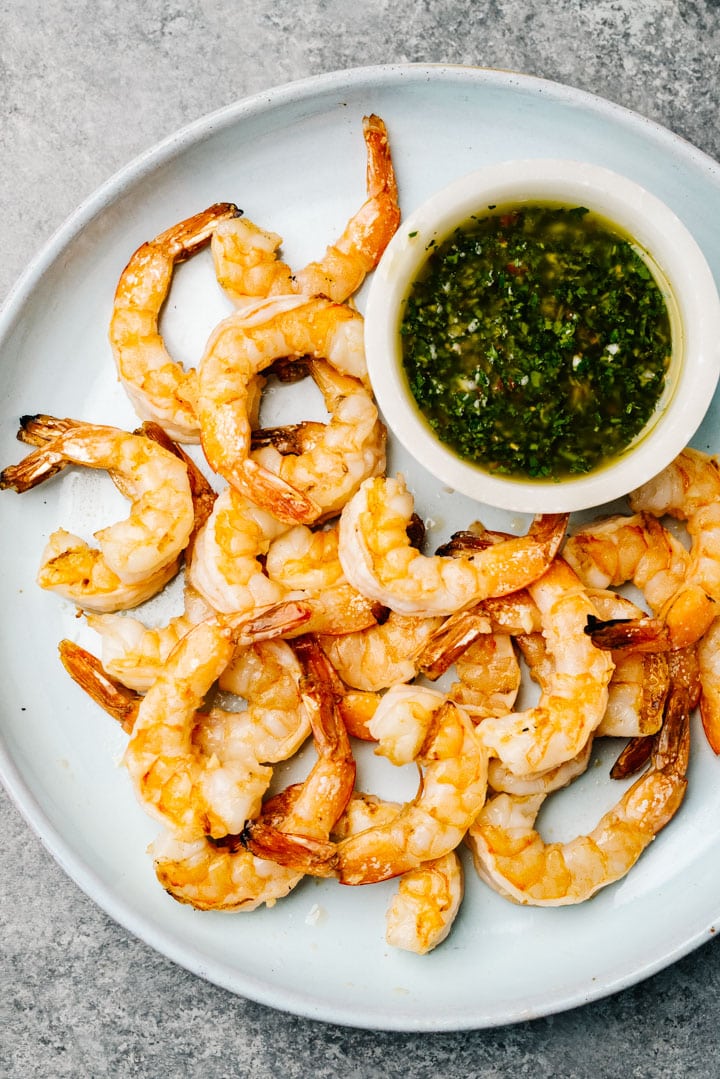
[{"x": 313, "y": 620}]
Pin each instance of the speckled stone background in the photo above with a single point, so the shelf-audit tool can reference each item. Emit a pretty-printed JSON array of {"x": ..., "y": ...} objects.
[{"x": 84, "y": 87}]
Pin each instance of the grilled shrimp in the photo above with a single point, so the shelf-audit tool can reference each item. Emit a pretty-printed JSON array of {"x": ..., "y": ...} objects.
[
  {"x": 240, "y": 349},
  {"x": 133, "y": 653},
  {"x": 380, "y": 656},
  {"x": 225, "y": 876},
  {"x": 380, "y": 561},
  {"x": 488, "y": 677},
  {"x": 708, "y": 654},
  {"x": 209, "y": 876},
  {"x": 137, "y": 556},
  {"x": 639, "y": 682},
  {"x": 194, "y": 793},
  {"x": 245, "y": 559},
  {"x": 636, "y": 695},
  {"x": 423, "y": 910},
  {"x": 513, "y": 859},
  {"x": 225, "y": 568},
  {"x": 683, "y": 672},
  {"x": 306, "y": 564},
  {"x": 574, "y": 702},
  {"x": 411, "y": 723},
  {"x": 688, "y": 489},
  {"x": 245, "y": 256},
  {"x": 202, "y": 492},
  {"x": 159, "y": 387},
  {"x": 501, "y": 779},
  {"x": 427, "y": 900},
  {"x": 215, "y": 875},
  {"x": 328, "y": 462},
  {"x": 638, "y": 548},
  {"x": 266, "y": 674}
]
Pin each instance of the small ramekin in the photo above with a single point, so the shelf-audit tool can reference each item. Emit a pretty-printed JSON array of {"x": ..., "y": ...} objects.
[{"x": 680, "y": 269}]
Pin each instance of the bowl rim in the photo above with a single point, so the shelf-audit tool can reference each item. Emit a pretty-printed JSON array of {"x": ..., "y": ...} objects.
[{"x": 657, "y": 231}]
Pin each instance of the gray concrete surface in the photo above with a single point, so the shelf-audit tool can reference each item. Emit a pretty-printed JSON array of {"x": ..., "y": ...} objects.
[{"x": 84, "y": 86}]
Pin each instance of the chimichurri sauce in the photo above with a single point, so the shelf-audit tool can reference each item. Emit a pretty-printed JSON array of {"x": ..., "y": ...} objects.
[{"x": 536, "y": 341}]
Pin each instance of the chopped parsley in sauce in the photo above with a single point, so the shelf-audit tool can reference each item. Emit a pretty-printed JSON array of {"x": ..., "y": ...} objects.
[{"x": 536, "y": 341}]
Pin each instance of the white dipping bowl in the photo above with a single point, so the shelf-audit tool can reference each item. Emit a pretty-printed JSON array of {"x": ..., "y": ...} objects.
[{"x": 679, "y": 268}]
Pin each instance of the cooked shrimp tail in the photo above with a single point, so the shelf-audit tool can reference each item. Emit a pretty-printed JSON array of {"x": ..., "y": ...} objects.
[
  {"x": 663, "y": 634},
  {"x": 368, "y": 233},
  {"x": 245, "y": 256},
  {"x": 300, "y": 841},
  {"x": 182, "y": 241},
  {"x": 633, "y": 757},
  {"x": 41, "y": 428},
  {"x": 514, "y": 860},
  {"x": 38, "y": 430},
  {"x": 88, "y": 672},
  {"x": 640, "y": 635},
  {"x": 158, "y": 386},
  {"x": 301, "y": 853},
  {"x": 273, "y": 622},
  {"x": 280, "y": 497}
]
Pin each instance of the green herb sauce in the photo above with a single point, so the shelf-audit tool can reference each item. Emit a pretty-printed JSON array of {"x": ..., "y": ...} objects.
[{"x": 536, "y": 341}]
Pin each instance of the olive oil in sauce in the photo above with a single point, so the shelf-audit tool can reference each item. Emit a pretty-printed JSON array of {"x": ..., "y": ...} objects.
[{"x": 536, "y": 341}]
